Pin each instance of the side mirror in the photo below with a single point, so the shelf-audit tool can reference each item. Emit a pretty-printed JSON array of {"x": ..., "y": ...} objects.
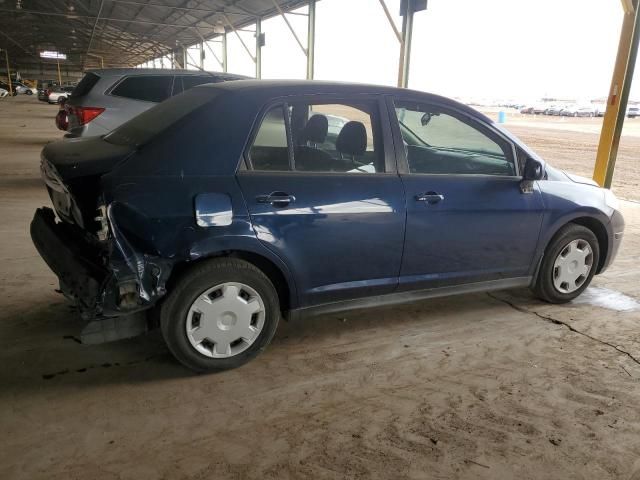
[
  {"x": 425, "y": 119},
  {"x": 533, "y": 170}
]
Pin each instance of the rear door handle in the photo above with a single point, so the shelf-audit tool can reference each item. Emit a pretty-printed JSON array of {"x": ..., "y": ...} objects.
[
  {"x": 277, "y": 199},
  {"x": 429, "y": 197}
]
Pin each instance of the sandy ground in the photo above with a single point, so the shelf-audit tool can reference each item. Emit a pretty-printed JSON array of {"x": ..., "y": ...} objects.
[
  {"x": 572, "y": 144},
  {"x": 496, "y": 386}
]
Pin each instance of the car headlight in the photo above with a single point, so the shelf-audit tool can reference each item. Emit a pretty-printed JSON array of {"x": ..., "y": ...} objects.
[{"x": 611, "y": 200}]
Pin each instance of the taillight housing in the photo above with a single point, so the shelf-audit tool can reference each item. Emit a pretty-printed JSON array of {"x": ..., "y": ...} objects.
[
  {"x": 62, "y": 120},
  {"x": 84, "y": 114}
]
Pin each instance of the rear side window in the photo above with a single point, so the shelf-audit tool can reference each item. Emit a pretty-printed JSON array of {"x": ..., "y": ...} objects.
[
  {"x": 326, "y": 137},
  {"x": 85, "y": 85},
  {"x": 190, "y": 81},
  {"x": 148, "y": 88}
]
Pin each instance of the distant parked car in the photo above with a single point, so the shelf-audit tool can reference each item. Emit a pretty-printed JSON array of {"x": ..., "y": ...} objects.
[
  {"x": 527, "y": 110},
  {"x": 22, "y": 88},
  {"x": 633, "y": 112},
  {"x": 9, "y": 90},
  {"x": 3, "y": 93},
  {"x": 60, "y": 94},
  {"x": 600, "y": 109},
  {"x": 578, "y": 111},
  {"x": 554, "y": 110},
  {"x": 105, "y": 99},
  {"x": 215, "y": 212},
  {"x": 539, "y": 109}
]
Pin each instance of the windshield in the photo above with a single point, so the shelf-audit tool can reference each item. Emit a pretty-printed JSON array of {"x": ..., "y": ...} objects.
[{"x": 141, "y": 129}]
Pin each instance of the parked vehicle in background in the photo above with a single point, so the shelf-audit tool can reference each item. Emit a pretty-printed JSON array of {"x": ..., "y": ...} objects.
[
  {"x": 22, "y": 88},
  {"x": 105, "y": 99},
  {"x": 578, "y": 111},
  {"x": 633, "y": 112},
  {"x": 539, "y": 109},
  {"x": 217, "y": 211},
  {"x": 3, "y": 93},
  {"x": 554, "y": 110},
  {"x": 10, "y": 90},
  {"x": 600, "y": 109},
  {"x": 58, "y": 94},
  {"x": 527, "y": 110}
]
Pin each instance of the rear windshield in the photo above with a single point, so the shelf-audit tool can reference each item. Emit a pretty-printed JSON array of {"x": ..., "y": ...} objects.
[
  {"x": 139, "y": 130},
  {"x": 85, "y": 85}
]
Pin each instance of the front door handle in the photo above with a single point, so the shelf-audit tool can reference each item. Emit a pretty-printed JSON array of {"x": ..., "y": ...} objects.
[
  {"x": 429, "y": 197},
  {"x": 277, "y": 199}
]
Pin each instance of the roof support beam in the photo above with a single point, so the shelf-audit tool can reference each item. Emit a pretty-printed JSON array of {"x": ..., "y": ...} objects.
[
  {"x": 618, "y": 96},
  {"x": 93, "y": 31},
  {"x": 286, "y": 20},
  {"x": 311, "y": 39},
  {"x": 259, "y": 38},
  {"x": 226, "y": 19},
  {"x": 390, "y": 19}
]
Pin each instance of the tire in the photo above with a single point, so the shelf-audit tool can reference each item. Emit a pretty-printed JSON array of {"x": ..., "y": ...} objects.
[
  {"x": 29, "y": 92},
  {"x": 179, "y": 311},
  {"x": 549, "y": 275}
]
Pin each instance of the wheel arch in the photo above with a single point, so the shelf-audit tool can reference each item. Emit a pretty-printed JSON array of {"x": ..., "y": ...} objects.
[
  {"x": 600, "y": 231},
  {"x": 276, "y": 274}
]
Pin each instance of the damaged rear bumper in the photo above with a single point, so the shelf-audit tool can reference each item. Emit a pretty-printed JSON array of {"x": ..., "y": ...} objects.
[{"x": 109, "y": 281}]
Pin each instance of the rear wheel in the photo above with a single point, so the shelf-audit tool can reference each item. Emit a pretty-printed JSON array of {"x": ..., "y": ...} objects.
[
  {"x": 569, "y": 263},
  {"x": 220, "y": 315}
]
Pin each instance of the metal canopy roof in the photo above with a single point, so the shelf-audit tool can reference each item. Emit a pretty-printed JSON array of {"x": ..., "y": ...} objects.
[{"x": 122, "y": 32}]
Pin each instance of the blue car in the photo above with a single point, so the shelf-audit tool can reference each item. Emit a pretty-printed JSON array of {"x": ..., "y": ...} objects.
[{"x": 224, "y": 209}]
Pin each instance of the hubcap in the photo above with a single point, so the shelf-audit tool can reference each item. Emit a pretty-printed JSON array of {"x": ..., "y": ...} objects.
[
  {"x": 225, "y": 320},
  {"x": 572, "y": 266}
]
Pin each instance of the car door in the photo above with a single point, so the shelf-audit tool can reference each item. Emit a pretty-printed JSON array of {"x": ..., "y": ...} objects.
[
  {"x": 329, "y": 203},
  {"x": 467, "y": 218}
]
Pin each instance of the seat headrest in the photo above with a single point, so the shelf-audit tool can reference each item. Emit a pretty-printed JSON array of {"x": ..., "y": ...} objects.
[
  {"x": 352, "y": 139},
  {"x": 315, "y": 130}
]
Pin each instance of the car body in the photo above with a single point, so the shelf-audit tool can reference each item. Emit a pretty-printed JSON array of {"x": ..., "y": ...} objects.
[
  {"x": 633, "y": 112},
  {"x": 554, "y": 110},
  {"x": 541, "y": 108},
  {"x": 3, "y": 93},
  {"x": 578, "y": 111},
  {"x": 10, "y": 90},
  {"x": 527, "y": 110},
  {"x": 60, "y": 94},
  {"x": 107, "y": 98},
  {"x": 230, "y": 189},
  {"x": 24, "y": 89},
  {"x": 600, "y": 109}
]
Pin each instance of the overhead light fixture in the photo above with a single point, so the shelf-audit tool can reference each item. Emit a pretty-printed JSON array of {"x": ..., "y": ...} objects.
[{"x": 51, "y": 54}]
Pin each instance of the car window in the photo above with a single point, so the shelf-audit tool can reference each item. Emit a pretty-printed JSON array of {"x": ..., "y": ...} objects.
[
  {"x": 85, "y": 85},
  {"x": 438, "y": 141},
  {"x": 190, "y": 81},
  {"x": 149, "y": 88},
  {"x": 325, "y": 137},
  {"x": 269, "y": 150}
]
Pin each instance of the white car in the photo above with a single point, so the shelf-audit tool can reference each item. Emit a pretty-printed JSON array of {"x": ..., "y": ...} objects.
[
  {"x": 24, "y": 89},
  {"x": 3, "y": 93},
  {"x": 578, "y": 111},
  {"x": 59, "y": 93}
]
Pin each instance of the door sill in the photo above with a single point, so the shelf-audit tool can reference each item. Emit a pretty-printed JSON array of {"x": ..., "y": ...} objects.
[{"x": 407, "y": 297}]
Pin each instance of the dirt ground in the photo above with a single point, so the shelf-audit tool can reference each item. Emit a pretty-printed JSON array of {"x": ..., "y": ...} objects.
[
  {"x": 495, "y": 386},
  {"x": 572, "y": 144}
]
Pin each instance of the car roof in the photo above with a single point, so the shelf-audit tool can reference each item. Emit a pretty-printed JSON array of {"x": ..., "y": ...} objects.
[
  {"x": 277, "y": 88},
  {"x": 160, "y": 71}
]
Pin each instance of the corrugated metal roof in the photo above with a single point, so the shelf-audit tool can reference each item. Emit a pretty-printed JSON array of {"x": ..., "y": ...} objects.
[{"x": 123, "y": 32}]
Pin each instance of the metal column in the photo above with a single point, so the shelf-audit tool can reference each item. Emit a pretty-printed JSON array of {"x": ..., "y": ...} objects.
[
  {"x": 225, "y": 65},
  {"x": 405, "y": 46},
  {"x": 202, "y": 55},
  {"x": 618, "y": 94},
  {"x": 259, "y": 43},
  {"x": 311, "y": 39}
]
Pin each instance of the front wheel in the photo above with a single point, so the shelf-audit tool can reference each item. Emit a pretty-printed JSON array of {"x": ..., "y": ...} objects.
[
  {"x": 220, "y": 315},
  {"x": 569, "y": 263}
]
